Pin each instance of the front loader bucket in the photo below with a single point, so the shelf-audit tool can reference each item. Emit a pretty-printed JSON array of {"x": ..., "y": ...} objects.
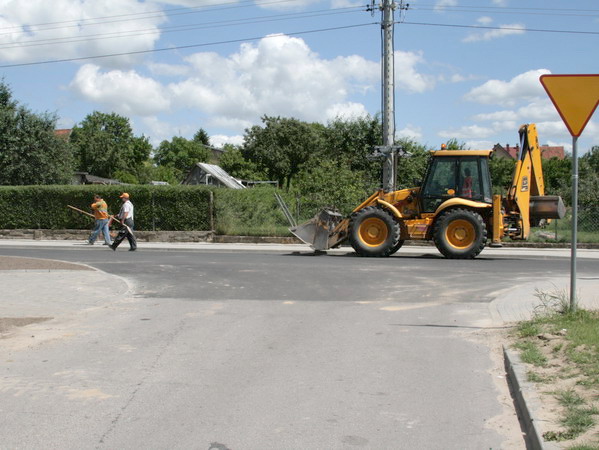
[{"x": 319, "y": 232}]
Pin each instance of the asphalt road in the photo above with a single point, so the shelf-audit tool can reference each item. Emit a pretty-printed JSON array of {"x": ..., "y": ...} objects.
[{"x": 230, "y": 350}]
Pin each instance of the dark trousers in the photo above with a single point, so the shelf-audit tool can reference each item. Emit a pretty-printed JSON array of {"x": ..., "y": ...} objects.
[{"x": 124, "y": 233}]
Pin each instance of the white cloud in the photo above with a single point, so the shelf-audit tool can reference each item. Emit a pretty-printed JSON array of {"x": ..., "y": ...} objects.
[
  {"x": 522, "y": 88},
  {"x": 410, "y": 132},
  {"x": 348, "y": 110},
  {"x": 484, "y": 20},
  {"x": 535, "y": 111},
  {"x": 219, "y": 140},
  {"x": 280, "y": 75},
  {"x": 71, "y": 29},
  {"x": 407, "y": 78},
  {"x": 345, "y": 3},
  {"x": 467, "y": 132},
  {"x": 479, "y": 145},
  {"x": 502, "y": 31},
  {"x": 442, "y": 4},
  {"x": 192, "y": 3},
  {"x": 284, "y": 5},
  {"x": 168, "y": 70},
  {"x": 125, "y": 92},
  {"x": 160, "y": 131}
]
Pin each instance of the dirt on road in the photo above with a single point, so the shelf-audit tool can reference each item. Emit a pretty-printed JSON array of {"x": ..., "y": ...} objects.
[{"x": 18, "y": 263}]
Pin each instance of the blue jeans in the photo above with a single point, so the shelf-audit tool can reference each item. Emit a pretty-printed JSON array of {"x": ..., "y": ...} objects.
[{"x": 101, "y": 225}]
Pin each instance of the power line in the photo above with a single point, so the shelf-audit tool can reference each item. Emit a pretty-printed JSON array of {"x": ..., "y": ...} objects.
[
  {"x": 102, "y": 20},
  {"x": 536, "y": 30},
  {"x": 482, "y": 10},
  {"x": 512, "y": 9},
  {"x": 180, "y": 28},
  {"x": 182, "y": 47}
]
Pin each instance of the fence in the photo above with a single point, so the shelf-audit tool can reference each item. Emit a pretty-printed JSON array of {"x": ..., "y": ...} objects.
[{"x": 561, "y": 230}]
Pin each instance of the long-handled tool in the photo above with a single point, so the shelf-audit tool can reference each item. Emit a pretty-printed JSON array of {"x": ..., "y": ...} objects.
[
  {"x": 112, "y": 218},
  {"x": 81, "y": 211}
]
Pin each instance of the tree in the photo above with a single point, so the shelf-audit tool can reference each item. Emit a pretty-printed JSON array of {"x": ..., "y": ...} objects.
[
  {"x": 180, "y": 154},
  {"x": 233, "y": 162},
  {"x": 330, "y": 184},
  {"x": 105, "y": 144},
  {"x": 591, "y": 159},
  {"x": 149, "y": 172},
  {"x": 502, "y": 172},
  {"x": 30, "y": 152},
  {"x": 353, "y": 141},
  {"x": 141, "y": 151},
  {"x": 201, "y": 137},
  {"x": 453, "y": 144},
  {"x": 557, "y": 174},
  {"x": 411, "y": 167},
  {"x": 282, "y": 146}
]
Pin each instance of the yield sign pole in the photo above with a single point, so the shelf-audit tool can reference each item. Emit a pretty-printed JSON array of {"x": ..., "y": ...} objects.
[{"x": 575, "y": 97}]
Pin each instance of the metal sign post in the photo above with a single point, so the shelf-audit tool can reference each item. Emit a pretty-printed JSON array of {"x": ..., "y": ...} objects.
[
  {"x": 575, "y": 97},
  {"x": 574, "y": 224}
]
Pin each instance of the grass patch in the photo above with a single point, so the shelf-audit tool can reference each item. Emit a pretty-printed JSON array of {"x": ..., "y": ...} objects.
[
  {"x": 534, "y": 377},
  {"x": 527, "y": 329},
  {"x": 562, "y": 349},
  {"x": 530, "y": 354}
]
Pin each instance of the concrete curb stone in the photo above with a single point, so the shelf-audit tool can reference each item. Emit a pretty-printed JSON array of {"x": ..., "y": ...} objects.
[
  {"x": 527, "y": 401},
  {"x": 212, "y": 237}
]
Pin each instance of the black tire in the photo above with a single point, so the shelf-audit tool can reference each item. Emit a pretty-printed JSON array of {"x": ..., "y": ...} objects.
[
  {"x": 460, "y": 233},
  {"x": 397, "y": 246},
  {"x": 373, "y": 232}
]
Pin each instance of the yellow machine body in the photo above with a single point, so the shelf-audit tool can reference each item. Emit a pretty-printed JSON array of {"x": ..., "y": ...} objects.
[{"x": 454, "y": 207}]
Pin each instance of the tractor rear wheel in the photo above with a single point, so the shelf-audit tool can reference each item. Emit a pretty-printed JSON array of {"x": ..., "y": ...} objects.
[
  {"x": 374, "y": 232},
  {"x": 460, "y": 234}
]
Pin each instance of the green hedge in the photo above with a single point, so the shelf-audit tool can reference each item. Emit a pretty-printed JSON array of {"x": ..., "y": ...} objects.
[
  {"x": 161, "y": 208},
  {"x": 156, "y": 207}
]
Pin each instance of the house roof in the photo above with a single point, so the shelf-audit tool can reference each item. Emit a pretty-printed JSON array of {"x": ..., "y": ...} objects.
[
  {"x": 547, "y": 152},
  {"x": 86, "y": 178},
  {"x": 221, "y": 175},
  {"x": 552, "y": 152},
  {"x": 64, "y": 133}
]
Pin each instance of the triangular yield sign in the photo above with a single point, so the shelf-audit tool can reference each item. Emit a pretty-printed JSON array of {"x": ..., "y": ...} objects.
[{"x": 575, "y": 97}]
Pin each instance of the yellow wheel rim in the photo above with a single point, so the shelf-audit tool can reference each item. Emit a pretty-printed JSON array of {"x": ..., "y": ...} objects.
[
  {"x": 373, "y": 232},
  {"x": 460, "y": 234}
]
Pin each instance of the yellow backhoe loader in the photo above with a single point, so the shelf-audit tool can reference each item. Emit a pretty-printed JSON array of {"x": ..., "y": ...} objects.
[{"x": 454, "y": 207}]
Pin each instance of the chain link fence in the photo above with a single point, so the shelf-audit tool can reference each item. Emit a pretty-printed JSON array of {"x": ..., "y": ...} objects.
[{"x": 561, "y": 230}]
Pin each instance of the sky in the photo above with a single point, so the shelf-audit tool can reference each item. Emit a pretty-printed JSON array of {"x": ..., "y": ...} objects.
[{"x": 464, "y": 69}]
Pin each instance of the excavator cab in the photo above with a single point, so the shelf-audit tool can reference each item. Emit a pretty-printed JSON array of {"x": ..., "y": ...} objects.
[{"x": 462, "y": 174}]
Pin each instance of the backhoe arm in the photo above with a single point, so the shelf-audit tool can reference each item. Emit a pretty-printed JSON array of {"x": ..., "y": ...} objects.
[{"x": 526, "y": 198}]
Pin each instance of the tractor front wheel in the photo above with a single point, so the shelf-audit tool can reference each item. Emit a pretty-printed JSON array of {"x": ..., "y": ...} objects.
[
  {"x": 460, "y": 234},
  {"x": 374, "y": 232}
]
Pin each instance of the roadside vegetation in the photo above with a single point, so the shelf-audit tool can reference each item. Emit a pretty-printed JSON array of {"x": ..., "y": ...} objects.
[{"x": 561, "y": 349}]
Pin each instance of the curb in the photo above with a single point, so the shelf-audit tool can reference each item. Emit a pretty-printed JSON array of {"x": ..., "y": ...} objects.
[
  {"x": 526, "y": 401},
  {"x": 211, "y": 237}
]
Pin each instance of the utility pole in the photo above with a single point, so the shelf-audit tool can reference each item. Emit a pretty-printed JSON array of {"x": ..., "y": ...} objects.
[
  {"x": 388, "y": 149},
  {"x": 388, "y": 93}
]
